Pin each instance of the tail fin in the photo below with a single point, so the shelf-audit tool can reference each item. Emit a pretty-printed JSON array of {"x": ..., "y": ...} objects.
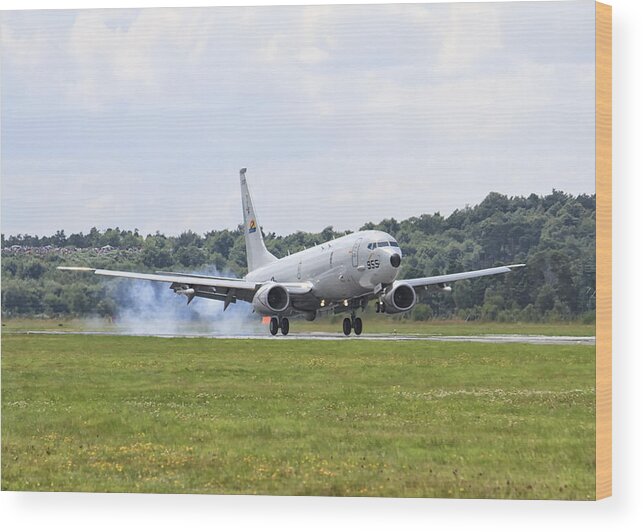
[{"x": 256, "y": 253}]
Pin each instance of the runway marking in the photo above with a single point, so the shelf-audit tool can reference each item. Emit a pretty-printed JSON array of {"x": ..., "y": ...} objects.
[{"x": 487, "y": 338}]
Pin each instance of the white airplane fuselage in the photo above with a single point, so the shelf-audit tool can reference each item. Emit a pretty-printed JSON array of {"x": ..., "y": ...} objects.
[{"x": 341, "y": 269}]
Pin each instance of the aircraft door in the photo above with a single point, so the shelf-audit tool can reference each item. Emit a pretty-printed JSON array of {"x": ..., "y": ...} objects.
[{"x": 355, "y": 252}]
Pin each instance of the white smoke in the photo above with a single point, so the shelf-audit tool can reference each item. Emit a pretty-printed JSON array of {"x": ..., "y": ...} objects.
[{"x": 151, "y": 308}]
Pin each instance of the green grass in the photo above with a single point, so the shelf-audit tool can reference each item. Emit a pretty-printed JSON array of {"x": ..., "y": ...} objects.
[
  {"x": 372, "y": 418},
  {"x": 373, "y": 324}
]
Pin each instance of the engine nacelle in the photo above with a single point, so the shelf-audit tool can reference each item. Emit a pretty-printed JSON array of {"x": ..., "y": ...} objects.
[
  {"x": 271, "y": 299},
  {"x": 399, "y": 298}
]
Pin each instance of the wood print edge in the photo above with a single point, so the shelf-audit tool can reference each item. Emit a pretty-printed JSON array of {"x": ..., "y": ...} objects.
[{"x": 603, "y": 250}]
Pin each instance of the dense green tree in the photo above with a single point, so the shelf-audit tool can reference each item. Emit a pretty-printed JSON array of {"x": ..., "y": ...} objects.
[
  {"x": 189, "y": 256},
  {"x": 553, "y": 234},
  {"x": 220, "y": 242},
  {"x": 34, "y": 269}
]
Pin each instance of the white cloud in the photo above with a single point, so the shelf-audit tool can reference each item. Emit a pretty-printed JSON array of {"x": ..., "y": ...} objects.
[
  {"x": 470, "y": 33},
  {"x": 115, "y": 64},
  {"x": 174, "y": 101}
]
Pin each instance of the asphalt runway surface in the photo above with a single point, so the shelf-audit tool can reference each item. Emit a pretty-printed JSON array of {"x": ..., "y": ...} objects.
[{"x": 487, "y": 338}]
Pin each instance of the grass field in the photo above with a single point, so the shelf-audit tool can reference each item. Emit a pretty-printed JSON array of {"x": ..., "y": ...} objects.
[
  {"x": 376, "y": 418},
  {"x": 373, "y": 323}
]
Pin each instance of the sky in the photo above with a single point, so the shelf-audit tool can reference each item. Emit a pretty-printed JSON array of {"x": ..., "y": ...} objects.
[{"x": 142, "y": 118}]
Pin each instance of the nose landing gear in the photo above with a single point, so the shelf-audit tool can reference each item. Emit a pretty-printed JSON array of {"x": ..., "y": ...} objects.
[{"x": 276, "y": 324}]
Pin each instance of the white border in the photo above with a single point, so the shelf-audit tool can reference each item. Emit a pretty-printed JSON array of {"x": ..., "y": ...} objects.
[{"x": 624, "y": 511}]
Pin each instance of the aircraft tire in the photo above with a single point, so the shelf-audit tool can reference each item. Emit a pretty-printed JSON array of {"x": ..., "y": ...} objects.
[
  {"x": 274, "y": 326},
  {"x": 357, "y": 326},
  {"x": 347, "y": 326},
  {"x": 285, "y": 326}
]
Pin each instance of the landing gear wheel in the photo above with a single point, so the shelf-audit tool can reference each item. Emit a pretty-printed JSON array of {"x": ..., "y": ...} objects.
[
  {"x": 357, "y": 326},
  {"x": 347, "y": 326},
  {"x": 285, "y": 326},
  {"x": 274, "y": 326}
]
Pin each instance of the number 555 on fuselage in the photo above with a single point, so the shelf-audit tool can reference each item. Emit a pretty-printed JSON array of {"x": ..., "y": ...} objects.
[{"x": 341, "y": 275}]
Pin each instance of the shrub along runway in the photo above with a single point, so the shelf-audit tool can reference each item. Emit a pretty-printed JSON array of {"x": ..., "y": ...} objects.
[{"x": 378, "y": 418}]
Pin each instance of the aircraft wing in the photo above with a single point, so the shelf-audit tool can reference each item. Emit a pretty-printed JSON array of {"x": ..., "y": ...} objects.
[
  {"x": 293, "y": 288},
  {"x": 224, "y": 289},
  {"x": 422, "y": 282},
  {"x": 184, "y": 278}
]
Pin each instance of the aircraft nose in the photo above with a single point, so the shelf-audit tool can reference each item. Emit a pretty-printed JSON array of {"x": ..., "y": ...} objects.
[{"x": 395, "y": 260}]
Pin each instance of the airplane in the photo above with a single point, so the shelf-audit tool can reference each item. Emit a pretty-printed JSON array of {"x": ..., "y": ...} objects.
[{"x": 340, "y": 276}]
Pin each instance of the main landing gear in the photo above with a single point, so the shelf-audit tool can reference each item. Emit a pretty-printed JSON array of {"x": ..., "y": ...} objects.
[
  {"x": 352, "y": 323},
  {"x": 276, "y": 324}
]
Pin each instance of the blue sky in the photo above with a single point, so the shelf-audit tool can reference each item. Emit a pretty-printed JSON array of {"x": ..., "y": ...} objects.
[{"x": 342, "y": 114}]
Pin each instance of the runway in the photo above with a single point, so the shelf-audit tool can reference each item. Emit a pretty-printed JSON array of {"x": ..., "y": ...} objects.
[{"x": 487, "y": 338}]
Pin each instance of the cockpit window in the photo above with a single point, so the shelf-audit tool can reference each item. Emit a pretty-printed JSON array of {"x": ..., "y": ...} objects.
[{"x": 383, "y": 244}]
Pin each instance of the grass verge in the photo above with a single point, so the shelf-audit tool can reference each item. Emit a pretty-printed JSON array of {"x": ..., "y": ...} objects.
[{"x": 413, "y": 419}]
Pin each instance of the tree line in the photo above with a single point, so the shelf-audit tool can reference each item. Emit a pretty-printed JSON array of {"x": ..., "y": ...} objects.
[{"x": 554, "y": 235}]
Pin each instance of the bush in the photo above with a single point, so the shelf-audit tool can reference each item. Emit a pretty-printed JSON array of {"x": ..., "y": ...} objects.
[
  {"x": 421, "y": 312},
  {"x": 589, "y": 317},
  {"x": 33, "y": 269}
]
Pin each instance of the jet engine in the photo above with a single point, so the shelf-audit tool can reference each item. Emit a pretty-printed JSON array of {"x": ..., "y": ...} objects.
[
  {"x": 271, "y": 299},
  {"x": 399, "y": 298}
]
